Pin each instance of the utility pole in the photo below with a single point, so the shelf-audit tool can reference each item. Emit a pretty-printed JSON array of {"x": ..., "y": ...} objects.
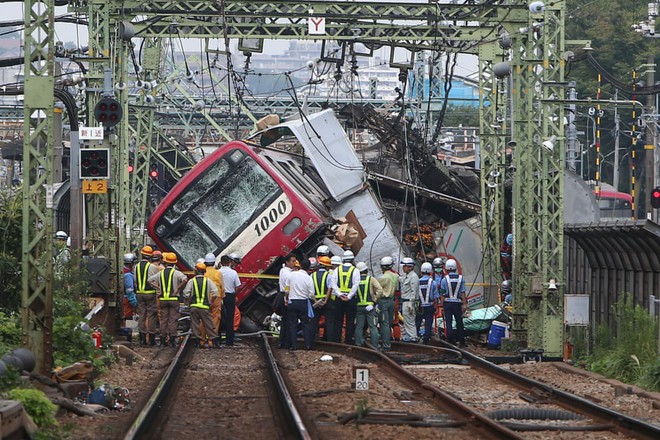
[
  {"x": 649, "y": 146},
  {"x": 616, "y": 142}
]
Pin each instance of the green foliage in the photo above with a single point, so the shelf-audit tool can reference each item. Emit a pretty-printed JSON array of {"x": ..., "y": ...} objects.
[
  {"x": 362, "y": 408},
  {"x": 10, "y": 380},
  {"x": 72, "y": 344},
  {"x": 629, "y": 351},
  {"x": 37, "y": 406},
  {"x": 650, "y": 379},
  {"x": 10, "y": 249},
  {"x": 10, "y": 332}
]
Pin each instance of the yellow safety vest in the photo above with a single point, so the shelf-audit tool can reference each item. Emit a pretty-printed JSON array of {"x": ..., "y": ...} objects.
[
  {"x": 166, "y": 285},
  {"x": 345, "y": 278},
  {"x": 364, "y": 299},
  {"x": 322, "y": 288},
  {"x": 142, "y": 273},
  {"x": 201, "y": 298}
]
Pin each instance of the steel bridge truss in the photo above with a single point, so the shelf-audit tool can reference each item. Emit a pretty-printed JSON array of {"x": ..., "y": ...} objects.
[{"x": 537, "y": 75}]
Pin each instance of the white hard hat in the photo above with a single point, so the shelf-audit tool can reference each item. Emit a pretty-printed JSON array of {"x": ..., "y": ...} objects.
[
  {"x": 61, "y": 235},
  {"x": 407, "y": 261},
  {"x": 386, "y": 261},
  {"x": 426, "y": 268},
  {"x": 437, "y": 262},
  {"x": 348, "y": 256},
  {"x": 209, "y": 258},
  {"x": 199, "y": 260},
  {"x": 129, "y": 258},
  {"x": 361, "y": 266},
  {"x": 336, "y": 260},
  {"x": 323, "y": 250},
  {"x": 313, "y": 263},
  {"x": 451, "y": 264},
  {"x": 235, "y": 257}
]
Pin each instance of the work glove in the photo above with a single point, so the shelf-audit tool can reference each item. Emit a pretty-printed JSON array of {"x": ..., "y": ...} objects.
[{"x": 369, "y": 308}]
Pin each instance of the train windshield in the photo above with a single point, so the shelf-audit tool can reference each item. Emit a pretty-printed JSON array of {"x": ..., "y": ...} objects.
[
  {"x": 615, "y": 206},
  {"x": 216, "y": 206}
]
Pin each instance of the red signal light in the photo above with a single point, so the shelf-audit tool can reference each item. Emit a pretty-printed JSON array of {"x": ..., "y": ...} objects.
[
  {"x": 655, "y": 197},
  {"x": 131, "y": 168}
]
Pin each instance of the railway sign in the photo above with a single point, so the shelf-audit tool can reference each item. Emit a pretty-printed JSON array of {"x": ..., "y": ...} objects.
[
  {"x": 95, "y": 186},
  {"x": 362, "y": 379}
]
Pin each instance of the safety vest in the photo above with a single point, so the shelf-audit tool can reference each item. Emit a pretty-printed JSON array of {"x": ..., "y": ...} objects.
[
  {"x": 142, "y": 273},
  {"x": 166, "y": 277},
  {"x": 453, "y": 287},
  {"x": 320, "y": 287},
  {"x": 201, "y": 298},
  {"x": 345, "y": 278},
  {"x": 425, "y": 292},
  {"x": 364, "y": 299}
]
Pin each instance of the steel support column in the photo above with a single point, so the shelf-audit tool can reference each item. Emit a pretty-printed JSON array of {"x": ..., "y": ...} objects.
[
  {"x": 38, "y": 151},
  {"x": 538, "y": 188}
]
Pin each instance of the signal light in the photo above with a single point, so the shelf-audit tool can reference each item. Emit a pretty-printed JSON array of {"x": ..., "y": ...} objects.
[
  {"x": 94, "y": 163},
  {"x": 131, "y": 168},
  {"x": 655, "y": 197},
  {"x": 108, "y": 111},
  {"x": 153, "y": 173}
]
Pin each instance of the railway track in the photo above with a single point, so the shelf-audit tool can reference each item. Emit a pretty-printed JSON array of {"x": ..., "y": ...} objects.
[
  {"x": 512, "y": 398},
  {"x": 222, "y": 393}
]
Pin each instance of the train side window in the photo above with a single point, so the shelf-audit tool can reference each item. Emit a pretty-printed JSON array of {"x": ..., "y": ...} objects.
[{"x": 291, "y": 226}]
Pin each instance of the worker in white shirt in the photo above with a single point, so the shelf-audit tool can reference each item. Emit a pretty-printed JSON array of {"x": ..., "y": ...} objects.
[
  {"x": 300, "y": 291},
  {"x": 232, "y": 282},
  {"x": 280, "y": 306}
]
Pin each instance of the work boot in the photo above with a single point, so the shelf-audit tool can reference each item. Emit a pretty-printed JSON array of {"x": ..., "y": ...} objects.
[
  {"x": 152, "y": 339},
  {"x": 216, "y": 343},
  {"x": 143, "y": 339}
]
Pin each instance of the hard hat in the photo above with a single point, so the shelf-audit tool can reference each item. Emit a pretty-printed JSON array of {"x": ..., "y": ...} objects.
[
  {"x": 61, "y": 235},
  {"x": 362, "y": 266},
  {"x": 507, "y": 285},
  {"x": 209, "y": 258},
  {"x": 147, "y": 251},
  {"x": 129, "y": 258},
  {"x": 297, "y": 263},
  {"x": 348, "y": 256},
  {"x": 509, "y": 239},
  {"x": 451, "y": 265},
  {"x": 323, "y": 250},
  {"x": 313, "y": 263},
  {"x": 437, "y": 262},
  {"x": 426, "y": 268},
  {"x": 201, "y": 267},
  {"x": 235, "y": 257},
  {"x": 169, "y": 257},
  {"x": 407, "y": 261},
  {"x": 199, "y": 260},
  {"x": 156, "y": 255},
  {"x": 336, "y": 260},
  {"x": 325, "y": 261},
  {"x": 386, "y": 262}
]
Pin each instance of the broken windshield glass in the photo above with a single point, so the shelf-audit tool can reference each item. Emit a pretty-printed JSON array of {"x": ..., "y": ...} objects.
[{"x": 233, "y": 201}]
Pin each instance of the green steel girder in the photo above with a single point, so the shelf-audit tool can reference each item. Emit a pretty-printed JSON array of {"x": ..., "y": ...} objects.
[
  {"x": 142, "y": 132},
  {"x": 538, "y": 75},
  {"x": 38, "y": 151},
  {"x": 453, "y": 27},
  {"x": 493, "y": 133}
]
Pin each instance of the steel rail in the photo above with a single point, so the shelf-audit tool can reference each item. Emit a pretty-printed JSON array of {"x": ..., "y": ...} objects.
[
  {"x": 484, "y": 425},
  {"x": 143, "y": 425},
  {"x": 296, "y": 423},
  {"x": 625, "y": 424}
]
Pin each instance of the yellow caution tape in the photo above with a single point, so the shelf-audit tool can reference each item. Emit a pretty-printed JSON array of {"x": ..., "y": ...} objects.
[{"x": 261, "y": 276}]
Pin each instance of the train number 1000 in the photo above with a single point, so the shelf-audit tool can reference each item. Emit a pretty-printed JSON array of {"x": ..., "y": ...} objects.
[{"x": 270, "y": 218}]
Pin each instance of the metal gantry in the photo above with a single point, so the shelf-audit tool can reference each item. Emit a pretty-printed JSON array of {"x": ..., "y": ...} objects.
[
  {"x": 38, "y": 151},
  {"x": 537, "y": 77}
]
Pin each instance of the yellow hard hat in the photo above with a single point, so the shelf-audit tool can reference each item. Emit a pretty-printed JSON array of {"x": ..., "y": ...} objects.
[
  {"x": 169, "y": 257},
  {"x": 147, "y": 251},
  {"x": 325, "y": 261},
  {"x": 201, "y": 267}
]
